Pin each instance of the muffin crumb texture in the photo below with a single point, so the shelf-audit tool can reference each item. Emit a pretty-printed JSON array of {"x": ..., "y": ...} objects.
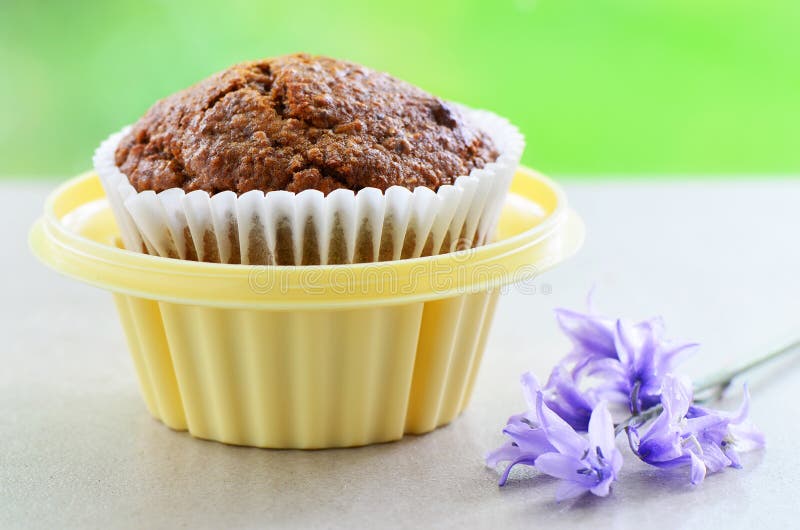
[{"x": 300, "y": 122}]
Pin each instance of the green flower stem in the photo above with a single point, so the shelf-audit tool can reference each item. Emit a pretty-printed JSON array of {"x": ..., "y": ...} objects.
[
  {"x": 724, "y": 379},
  {"x": 719, "y": 383}
]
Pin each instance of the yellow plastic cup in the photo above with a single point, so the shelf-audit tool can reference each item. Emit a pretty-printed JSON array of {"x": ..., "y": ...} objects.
[{"x": 306, "y": 356}]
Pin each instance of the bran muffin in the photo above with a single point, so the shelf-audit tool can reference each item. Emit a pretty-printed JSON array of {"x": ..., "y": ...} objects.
[
  {"x": 300, "y": 122},
  {"x": 300, "y": 160}
]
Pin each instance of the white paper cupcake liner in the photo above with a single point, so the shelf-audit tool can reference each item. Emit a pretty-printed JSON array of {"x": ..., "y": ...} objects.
[{"x": 309, "y": 228}]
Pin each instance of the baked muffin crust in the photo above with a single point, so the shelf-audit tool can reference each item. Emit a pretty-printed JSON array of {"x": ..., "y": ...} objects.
[{"x": 300, "y": 122}]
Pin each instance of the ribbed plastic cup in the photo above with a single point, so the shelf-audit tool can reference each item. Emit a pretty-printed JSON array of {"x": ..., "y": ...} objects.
[{"x": 307, "y": 356}]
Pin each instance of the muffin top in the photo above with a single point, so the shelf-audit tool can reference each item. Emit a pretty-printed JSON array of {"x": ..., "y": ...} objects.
[{"x": 300, "y": 122}]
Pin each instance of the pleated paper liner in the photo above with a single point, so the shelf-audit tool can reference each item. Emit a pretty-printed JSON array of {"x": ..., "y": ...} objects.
[{"x": 309, "y": 228}]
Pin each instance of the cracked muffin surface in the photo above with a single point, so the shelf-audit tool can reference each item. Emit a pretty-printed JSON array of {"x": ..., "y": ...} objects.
[{"x": 300, "y": 122}]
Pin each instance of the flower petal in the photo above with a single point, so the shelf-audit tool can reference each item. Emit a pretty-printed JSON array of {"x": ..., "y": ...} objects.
[
  {"x": 601, "y": 429},
  {"x": 714, "y": 459},
  {"x": 675, "y": 354},
  {"x": 623, "y": 343},
  {"x": 681, "y": 461},
  {"x": 698, "y": 469},
  {"x": 744, "y": 409},
  {"x": 657, "y": 449},
  {"x": 558, "y": 432},
  {"x": 504, "y": 453},
  {"x": 563, "y": 397},
  {"x": 563, "y": 467},
  {"x": 733, "y": 456},
  {"x": 603, "y": 368},
  {"x": 531, "y": 441},
  {"x": 676, "y": 396},
  {"x": 746, "y": 437},
  {"x": 530, "y": 388},
  {"x": 710, "y": 426},
  {"x": 593, "y": 335},
  {"x": 644, "y": 362},
  {"x": 602, "y": 489}
]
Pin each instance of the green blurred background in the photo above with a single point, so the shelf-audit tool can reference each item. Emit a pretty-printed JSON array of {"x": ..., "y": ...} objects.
[{"x": 599, "y": 87}]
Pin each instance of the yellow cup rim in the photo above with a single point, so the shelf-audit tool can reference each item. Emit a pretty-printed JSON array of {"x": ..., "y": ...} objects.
[{"x": 505, "y": 261}]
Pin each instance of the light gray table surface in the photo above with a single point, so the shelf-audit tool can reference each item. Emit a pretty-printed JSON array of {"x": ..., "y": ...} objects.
[{"x": 719, "y": 260}]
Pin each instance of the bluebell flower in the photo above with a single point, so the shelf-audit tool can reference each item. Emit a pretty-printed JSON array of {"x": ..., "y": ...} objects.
[
  {"x": 583, "y": 465},
  {"x": 592, "y": 336},
  {"x": 724, "y": 435},
  {"x": 612, "y": 360},
  {"x": 565, "y": 397},
  {"x": 527, "y": 439},
  {"x": 647, "y": 357},
  {"x": 571, "y": 391},
  {"x": 685, "y": 434},
  {"x": 625, "y": 364},
  {"x": 542, "y": 439}
]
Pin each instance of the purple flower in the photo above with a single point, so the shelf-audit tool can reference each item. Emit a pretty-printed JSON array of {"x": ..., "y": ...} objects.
[
  {"x": 563, "y": 395},
  {"x": 584, "y": 466},
  {"x": 663, "y": 444},
  {"x": 631, "y": 365},
  {"x": 571, "y": 390},
  {"x": 684, "y": 434},
  {"x": 592, "y": 336},
  {"x": 544, "y": 440},
  {"x": 527, "y": 439},
  {"x": 616, "y": 361},
  {"x": 647, "y": 358},
  {"x": 723, "y": 435}
]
